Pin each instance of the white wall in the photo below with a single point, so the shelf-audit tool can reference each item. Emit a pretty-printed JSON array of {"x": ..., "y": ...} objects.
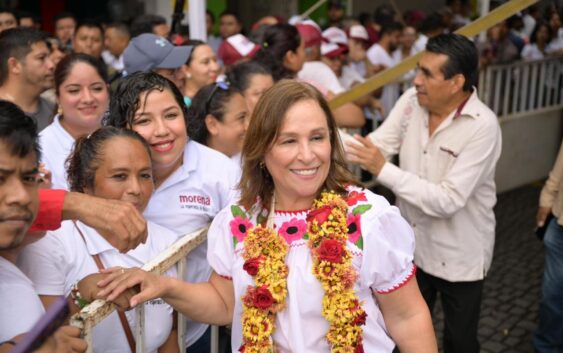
[{"x": 529, "y": 148}]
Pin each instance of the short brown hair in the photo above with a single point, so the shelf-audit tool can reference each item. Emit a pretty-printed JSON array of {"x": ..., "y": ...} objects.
[{"x": 263, "y": 130}]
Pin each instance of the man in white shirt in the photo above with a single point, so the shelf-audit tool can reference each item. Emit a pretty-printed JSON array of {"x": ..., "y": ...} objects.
[
  {"x": 26, "y": 71},
  {"x": 448, "y": 143},
  {"x": 116, "y": 39},
  {"x": 380, "y": 55},
  {"x": 21, "y": 308}
]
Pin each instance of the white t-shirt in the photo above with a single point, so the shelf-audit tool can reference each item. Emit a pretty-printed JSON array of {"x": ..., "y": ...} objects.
[
  {"x": 360, "y": 67},
  {"x": 407, "y": 78},
  {"x": 62, "y": 258},
  {"x": 188, "y": 200},
  {"x": 56, "y": 145},
  {"x": 320, "y": 73},
  {"x": 21, "y": 307},
  {"x": 531, "y": 52},
  {"x": 555, "y": 45},
  {"x": 350, "y": 77},
  {"x": 110, "y": 60},
  {"x": 420, "y": 43},
  {"x": 382, "y": 245},
  {"x": 379, "y": 56}
]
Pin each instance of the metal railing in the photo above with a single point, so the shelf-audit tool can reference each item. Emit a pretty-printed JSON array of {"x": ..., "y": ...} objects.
[
  {"x": 98, "y": 310},
  {"x": 523, "y": 86}
]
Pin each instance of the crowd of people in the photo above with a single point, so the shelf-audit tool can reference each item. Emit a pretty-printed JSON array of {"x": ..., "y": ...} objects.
[{"x": 118, "y": 139}]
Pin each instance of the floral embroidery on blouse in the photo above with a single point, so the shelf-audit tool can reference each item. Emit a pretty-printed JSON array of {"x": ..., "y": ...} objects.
[
  {"x": 354, "y": 229},
  {"x": 239, "y": 225},
  {"x": 296, "y": 229},
  {"x": 354, "y": 197},
  {"x": 293, "y": 230}
]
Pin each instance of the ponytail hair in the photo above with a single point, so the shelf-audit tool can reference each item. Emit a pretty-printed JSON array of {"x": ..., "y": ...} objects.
[{"x": 86, "y": 156}]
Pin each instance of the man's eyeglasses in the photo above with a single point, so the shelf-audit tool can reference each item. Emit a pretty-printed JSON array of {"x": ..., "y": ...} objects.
[{"x": 218, "y": 85}]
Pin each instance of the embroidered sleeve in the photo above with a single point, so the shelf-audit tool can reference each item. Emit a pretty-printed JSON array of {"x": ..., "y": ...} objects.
[
  {"x": 388, "y": 245},
  {"x": 220, "y": 249}
]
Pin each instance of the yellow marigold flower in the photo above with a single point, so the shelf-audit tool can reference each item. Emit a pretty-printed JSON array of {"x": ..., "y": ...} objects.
[{"x": 255, "y": 326}]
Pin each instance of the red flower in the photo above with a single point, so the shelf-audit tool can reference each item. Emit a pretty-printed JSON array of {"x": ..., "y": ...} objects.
[
  {"x": 251, "y": 266},
  {"x": 354, "y": 197},
  {"x": 360, "y": 319},
  {"x": 263, "y": 298},
  {"x": 354, "y": 228},
  {"x": 330, "y": 250},
  {"x": 242, "y": 348},
  {"x": 320, "y": 214},
  {"x": 239, "y": 227},
  {"x": 359, "y": 348}
]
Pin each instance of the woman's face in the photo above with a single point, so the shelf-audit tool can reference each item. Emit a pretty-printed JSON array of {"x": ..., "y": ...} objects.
[
  {"x": 294, "y": 61},
  {"x": 83, "y": 97},
  {"x": 56, "y": 54},
  {"x": 299, "y": 159},
  {"x": 258, "y": 84},
  {"x": 227, "y": 136},
  {"x": 543, "y": 35},
  {"x": 356, "y": 50},
  {"x": 160, "y": 120},
  {"x": 555, "y": 22},
  {"x": 203, "y": 68},
  {"x": 124, "y": 173},
  {"x": 335, "y": 63}
]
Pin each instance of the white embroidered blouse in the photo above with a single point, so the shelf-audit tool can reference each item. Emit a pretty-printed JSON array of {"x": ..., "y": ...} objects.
[{"x": 382, "y": 244}]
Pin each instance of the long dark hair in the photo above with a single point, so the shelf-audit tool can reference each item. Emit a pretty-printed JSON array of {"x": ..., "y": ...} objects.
[
  {"x": 241, "y": 74},
  {"x": 209, "y": 100},
  {"x": 278, "y": 40}
]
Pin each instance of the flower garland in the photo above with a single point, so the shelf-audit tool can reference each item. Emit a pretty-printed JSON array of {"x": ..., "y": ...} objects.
[
  {"x": 332, "y": 265},
  {"x": 264, "y": 254}
]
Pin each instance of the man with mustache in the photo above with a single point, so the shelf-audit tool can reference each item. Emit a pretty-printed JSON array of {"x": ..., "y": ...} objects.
[
  {"x": 26, "y": 71},
  {"x": 448, "y": 143},
  {"x": 19, "y": 174}
]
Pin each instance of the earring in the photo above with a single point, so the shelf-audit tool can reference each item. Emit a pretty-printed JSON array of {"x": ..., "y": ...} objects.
[
  {"x": 262, "y": 165},
  {"x": 60, "y": 110},
  {"x": 188, "y": 75}
]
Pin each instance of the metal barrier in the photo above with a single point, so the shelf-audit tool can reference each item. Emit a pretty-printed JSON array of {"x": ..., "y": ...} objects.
[
  {"x": 98, "y": 310},
  {"x": 523, "y": 86}
]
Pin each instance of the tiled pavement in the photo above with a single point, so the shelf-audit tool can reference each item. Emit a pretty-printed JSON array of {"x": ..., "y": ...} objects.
[{"x": 512, "y": 287}]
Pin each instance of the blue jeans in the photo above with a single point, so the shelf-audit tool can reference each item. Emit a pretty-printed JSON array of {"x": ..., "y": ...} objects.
[
  {"x": 548, "y": 337},
  {"x": 203, "y": 344}
]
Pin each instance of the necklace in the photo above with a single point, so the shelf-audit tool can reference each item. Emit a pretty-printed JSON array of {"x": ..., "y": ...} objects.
[{"x": 264, "y": 254}]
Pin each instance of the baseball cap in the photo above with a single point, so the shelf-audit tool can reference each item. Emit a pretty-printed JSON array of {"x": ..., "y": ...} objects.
[
  {"x": 358, "y": 32},
  {"x": 310, "y": 32},
  {"x": 335, "y": 35},
  {"x": 149, "y": 51},
  {"x": 235, "y": 48},
  {"x": 332, "y": 50}
]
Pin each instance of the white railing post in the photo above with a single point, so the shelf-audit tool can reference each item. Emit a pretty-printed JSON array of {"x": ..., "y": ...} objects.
[
  {"x": 517, "y": 72},
  {"x": 140, "y": 328},
  {"x": 181, "y": 268},
  {"x": 523, "y": 86},
  {"x": 214, "y": 339}
]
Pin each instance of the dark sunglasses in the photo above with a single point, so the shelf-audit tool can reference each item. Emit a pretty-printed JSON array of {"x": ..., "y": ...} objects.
[{"x": 218, "y": 85}]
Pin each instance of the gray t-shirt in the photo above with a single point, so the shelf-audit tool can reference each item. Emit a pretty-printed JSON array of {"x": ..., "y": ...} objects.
[{"x": 44, "y": 114}]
